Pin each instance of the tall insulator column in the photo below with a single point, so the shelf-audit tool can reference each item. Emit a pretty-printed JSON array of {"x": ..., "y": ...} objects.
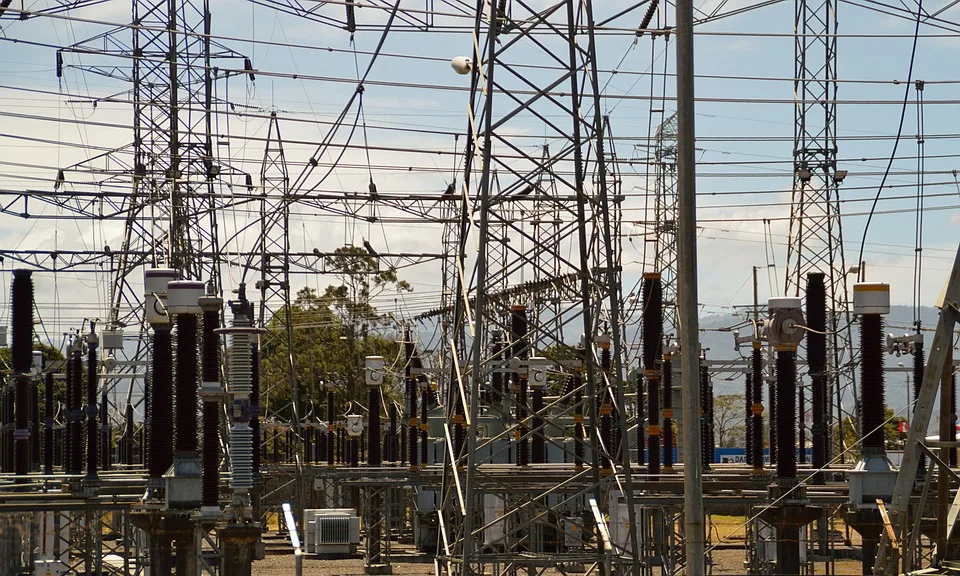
[
  {"x": 21, "y": 319},
  {"x": 160, "y": 416},
  {"x": 66, "y": 456},
  {"x": 183, "y": 297},
  {"x": 652, "y": 330},
  {"x": 519, "y": 353},
  {"x": 871, "y": 300},
  {"x": 425, "y": 394},
  {"x": 35, "y": 412},
  {"x": 211, "y": 392},
  {"x": 578, "y": 436},
  {"x": 128, "y": 436},
  {"x": 606, "y": 407},
  {"x": 390, "y": 439},
  {"x": 705, "y": 459},
  {"x": 748, "y": 421},
  {"x": 240, "y": 386},
  {"x": 48, "y": 423},
  {"x": 497, "y": 380},
  {"x": 918, "y": 369},
  {"x": 93, "y": 411},
  {"x": 413, "y": 422},
  {"x": 817, "y": 367},
  {"x": 785, "y": 331},
  {"x": 106, "y": 434},
  {"x": 373, "y": 372},
  {"x": 756, "y": 406},
  {"x": 332, "y": 443},
  {"x": 667, "y": 412},
  {"x": 255, "y": 408},
  {"x": 772, "y": 395},
  {"x": 537, "y": 373},
  {"x": 786, "y": 411},
  {"x": 641, "y": 435},
  {"x": 75, "y": 416}
]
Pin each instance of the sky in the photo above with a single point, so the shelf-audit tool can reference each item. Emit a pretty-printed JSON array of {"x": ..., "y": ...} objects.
[{"x": 413, "y": 103}]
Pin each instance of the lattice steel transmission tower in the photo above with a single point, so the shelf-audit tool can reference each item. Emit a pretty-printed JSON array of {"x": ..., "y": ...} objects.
[
  {"x": 815, "y": 236},
  {"x": 171, "y": 210},
  {"x": 276, "y": 314},
  {"x": 496, "y": 504},
  {"x": 171, "y": 166},
  {"x": 274, "y": 252},
  {"x": 665, "y": 221}
]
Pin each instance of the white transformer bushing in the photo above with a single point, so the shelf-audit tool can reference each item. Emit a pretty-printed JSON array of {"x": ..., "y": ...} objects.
[
  {"x": 786, "y": 319},
  {"x": 871, "y": 298},
  {"x": 37, "y": 366},
  {"x": 155, "y": 294},
  {"x": 183, "y": 297},
  {"x": 373, "y": 370}
]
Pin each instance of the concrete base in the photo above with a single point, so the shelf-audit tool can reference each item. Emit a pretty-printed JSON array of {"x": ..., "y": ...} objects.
[
  {"x": 162, "y": 530},
  {"x": 378, "y": 569},
  {"x": 868, "y": 523},
  {"x": 787, "y": 518},
  {"x": 237, "y": 541}
]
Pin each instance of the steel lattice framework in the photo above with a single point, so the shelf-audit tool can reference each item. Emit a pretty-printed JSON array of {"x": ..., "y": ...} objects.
[
  {"x": 501, "y": 200},
  {"x": 815, "y": 236},
  {"x": 665, "y": 221}
]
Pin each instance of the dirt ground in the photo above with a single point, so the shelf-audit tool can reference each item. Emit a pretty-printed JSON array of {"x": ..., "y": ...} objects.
[{"x": 726, "y": 538}]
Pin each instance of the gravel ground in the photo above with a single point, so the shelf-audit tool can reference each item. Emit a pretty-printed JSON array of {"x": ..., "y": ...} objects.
[{"x": 275, "y": 565}]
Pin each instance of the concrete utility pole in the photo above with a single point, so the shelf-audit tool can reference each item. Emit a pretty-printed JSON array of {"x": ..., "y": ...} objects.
[{"x": 693, "y": 523}]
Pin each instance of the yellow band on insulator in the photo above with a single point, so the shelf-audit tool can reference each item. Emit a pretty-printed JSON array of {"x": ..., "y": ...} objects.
[
  {"x": 756, "y": 409},
  {"x": 653, "y": 430},
  {"x": 414, "y": 422},
  {"x": 424, "y": 427},
  {"x": 785, "y": 347},
  {"x": 757, "y": 345},
  {"x": 458, "y": 419},
  {"x": 668, "y": 412},
  {"x": 604, "y": 345},
  {"x": 605, "y": 409},
  {"x": 578, "y": 418},
  {"x": 666, "y": 357},
  {"x": 651, "y": 374}
]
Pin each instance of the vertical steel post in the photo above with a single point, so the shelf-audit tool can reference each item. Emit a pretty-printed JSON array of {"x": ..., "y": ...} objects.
[{"x": 687, "y": 291}]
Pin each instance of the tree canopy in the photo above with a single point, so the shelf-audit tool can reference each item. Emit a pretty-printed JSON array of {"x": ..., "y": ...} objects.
[{"x": 332, "y": 334}]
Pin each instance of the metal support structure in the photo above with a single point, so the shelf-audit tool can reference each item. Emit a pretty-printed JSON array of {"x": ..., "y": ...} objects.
[
  {"x": 940, "y": 350},
  {"x": 569, "y": 181},
  {"x": 687, "y": 311},
  {"x": 275, "y": 312},
  {"x": 815, "y": 235},
  {"x": 665, "y": 221}
]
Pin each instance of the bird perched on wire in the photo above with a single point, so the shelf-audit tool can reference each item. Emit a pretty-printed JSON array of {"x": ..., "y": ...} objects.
[{"x": 373, "y": 189}]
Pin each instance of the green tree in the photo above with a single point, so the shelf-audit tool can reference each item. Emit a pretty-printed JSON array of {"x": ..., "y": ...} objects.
[
  {"x": 729, "y": 420},
  {"x": 332, "y": 333}
]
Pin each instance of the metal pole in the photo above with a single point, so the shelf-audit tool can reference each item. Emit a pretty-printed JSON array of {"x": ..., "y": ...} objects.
[{"x": 687, "y": 291}]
